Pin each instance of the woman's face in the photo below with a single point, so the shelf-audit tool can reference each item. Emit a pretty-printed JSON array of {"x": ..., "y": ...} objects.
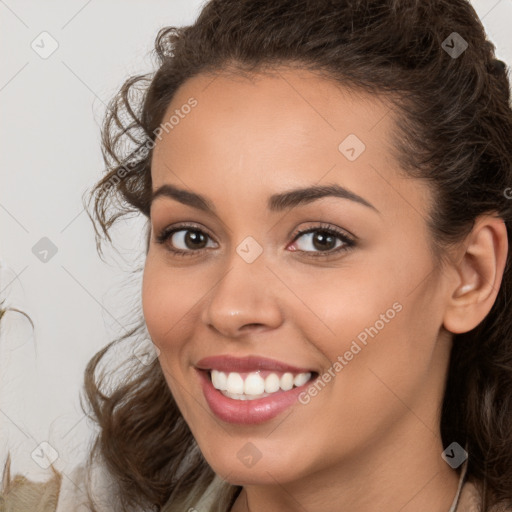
[{"x": 356, "y": 301}]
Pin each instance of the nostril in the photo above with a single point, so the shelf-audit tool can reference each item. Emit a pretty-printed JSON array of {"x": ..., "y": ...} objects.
[{"x": 251, "y": 326}]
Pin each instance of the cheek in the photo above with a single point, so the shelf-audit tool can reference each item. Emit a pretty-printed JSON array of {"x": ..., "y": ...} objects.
[
  {"x": 168, "y": 299},
  {"x": 370, "y": 317},
  {"x": 155, "y": 298},
  {"x": 340, "y": 305},
  {"x": 164, "y": 310}
]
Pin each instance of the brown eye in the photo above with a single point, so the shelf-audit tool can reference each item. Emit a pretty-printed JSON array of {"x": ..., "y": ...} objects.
[
  {"x": 322, "y": 241},
  {"x": 184, "y": 240},
  {"x": 191, "y": 239}
]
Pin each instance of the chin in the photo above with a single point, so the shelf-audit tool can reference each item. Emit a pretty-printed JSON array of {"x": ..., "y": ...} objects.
[{"x": 260, "y": 472}]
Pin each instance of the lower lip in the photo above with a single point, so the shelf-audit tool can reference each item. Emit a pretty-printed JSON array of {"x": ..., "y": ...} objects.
[{"x": 248, "y": 412}]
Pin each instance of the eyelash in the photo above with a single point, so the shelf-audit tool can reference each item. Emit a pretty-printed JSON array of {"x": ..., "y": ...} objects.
[{"x": 348, "y": 242}]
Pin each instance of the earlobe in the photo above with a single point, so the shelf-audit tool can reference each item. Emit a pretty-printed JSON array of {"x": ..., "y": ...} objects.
[{"x": 479, "y": 274}]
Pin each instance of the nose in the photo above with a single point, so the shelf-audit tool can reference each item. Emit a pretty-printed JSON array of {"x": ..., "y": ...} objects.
[{"x": 245, "y": 299}]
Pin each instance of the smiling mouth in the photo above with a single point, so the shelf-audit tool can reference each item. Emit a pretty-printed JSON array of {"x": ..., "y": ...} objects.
[{"x": 257, "y": 384}]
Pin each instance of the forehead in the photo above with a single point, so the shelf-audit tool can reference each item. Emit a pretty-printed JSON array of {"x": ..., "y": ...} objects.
[
  {"x": 296, "y": 105},
  {"x": 285, "y": 129}
]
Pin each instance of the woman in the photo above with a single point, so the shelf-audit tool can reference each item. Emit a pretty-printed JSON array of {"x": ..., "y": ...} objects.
[{"x": 340, "y": 336}]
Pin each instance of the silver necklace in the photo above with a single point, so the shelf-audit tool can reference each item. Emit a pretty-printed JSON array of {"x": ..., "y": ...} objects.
[{"x": 455, "y": 503}]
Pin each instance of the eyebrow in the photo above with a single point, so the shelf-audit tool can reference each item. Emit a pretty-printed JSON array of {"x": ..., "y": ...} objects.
[{"x": 276, "y": 202}]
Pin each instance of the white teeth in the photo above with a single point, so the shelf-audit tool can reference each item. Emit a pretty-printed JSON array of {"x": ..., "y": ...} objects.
[
  {"x": 287, "y": 381},
  {"x": 235, "y": 383},
  {"x": 255, "y": 386},
  {"x": 219, "y": 380},
  {"x": 272, "y": 383},
  {"x": 301, "y": 379},
  {"x": 236, "y": 396}
]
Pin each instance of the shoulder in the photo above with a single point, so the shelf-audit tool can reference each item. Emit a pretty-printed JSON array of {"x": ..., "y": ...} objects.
[
  {"x": 87, "y": 486},
  {"x": 471, "y": 500},
  {"x": 218, "y": 497}
]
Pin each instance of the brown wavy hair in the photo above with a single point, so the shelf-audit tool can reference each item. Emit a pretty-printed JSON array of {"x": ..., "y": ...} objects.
[{"x": 453, "y": 129}]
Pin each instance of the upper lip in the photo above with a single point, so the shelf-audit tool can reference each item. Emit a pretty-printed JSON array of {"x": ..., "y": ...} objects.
[{"x": 246, "y": 364}]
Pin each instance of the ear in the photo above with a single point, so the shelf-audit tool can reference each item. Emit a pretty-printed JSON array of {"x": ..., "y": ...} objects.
[{"x": 479, "y": 272}]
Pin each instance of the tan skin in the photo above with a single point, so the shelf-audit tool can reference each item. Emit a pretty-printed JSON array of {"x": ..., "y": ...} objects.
[{"x": 370, "y": 439}]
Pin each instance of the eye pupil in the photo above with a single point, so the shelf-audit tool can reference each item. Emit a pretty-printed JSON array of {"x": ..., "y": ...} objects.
[
  {"x": 194, "y": 237},
  {"x": 322, "y": 239}
]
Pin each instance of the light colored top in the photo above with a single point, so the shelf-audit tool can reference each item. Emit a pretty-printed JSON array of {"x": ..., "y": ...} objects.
[{"x": 66, "y": 493}]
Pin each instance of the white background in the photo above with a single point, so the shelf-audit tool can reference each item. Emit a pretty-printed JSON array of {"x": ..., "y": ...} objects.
[{"x": 51, "y": 111}]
